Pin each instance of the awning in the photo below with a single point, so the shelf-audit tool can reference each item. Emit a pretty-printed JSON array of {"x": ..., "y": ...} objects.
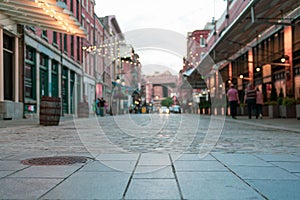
[
  {"x": 188, "y": 72},
  {"x": 195, "y": 79},
  {"x": 242, "y": 31},
  {"x": 46, "y": 14}
]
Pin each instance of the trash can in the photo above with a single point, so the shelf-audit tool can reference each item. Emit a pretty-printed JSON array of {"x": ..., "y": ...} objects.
[{"x": 50, "y": 111}]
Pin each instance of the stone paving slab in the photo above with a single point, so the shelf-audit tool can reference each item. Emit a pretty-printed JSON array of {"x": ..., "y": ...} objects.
[
  {"x": 189, "y": 156},
  {"x": 214, "y": 185},
  {"x": 258, "y": 172},
  {"x": 196, "y": 166},
  {"x": 153, "y": 172},
  {"x": 293, "y": 167},
  {"x": 120, "y": 165},
  {"x": 279, "y": 157},
  {"x": 240, "y": 159},
  {"x": 278, "y": 189},
  {"x": 91, "y": 185},
  {"x": 5, "y": 173},
  {"x": 97, "y": 166},
  {"x": 25, "y": 188},
  {"x": 46, "y": 172},
  {"x": 11, "y": 165},
  {"x": 153, "y": 189}
]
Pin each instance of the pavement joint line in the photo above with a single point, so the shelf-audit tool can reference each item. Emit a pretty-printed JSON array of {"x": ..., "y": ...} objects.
[
  {"x": 176, "y": 178},
  {"x": 235, "y": 174},
  {"x": 64, "y": 179},
  {"x": 131, "y": 177},
  {"x": 14, "y": 172}
]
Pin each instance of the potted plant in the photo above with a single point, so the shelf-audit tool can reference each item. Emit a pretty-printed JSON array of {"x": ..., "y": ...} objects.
[
  {"x": 298, "y": 109},
  {"x": 273, "y": 108},
  {"x": 288, "y": 108},
  {"x": 265, "y": 109},
  {"x": 242, "y": 110}
]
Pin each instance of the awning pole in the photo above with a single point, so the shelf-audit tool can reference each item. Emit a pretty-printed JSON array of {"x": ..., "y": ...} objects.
[{"x": 252, "y": 14}]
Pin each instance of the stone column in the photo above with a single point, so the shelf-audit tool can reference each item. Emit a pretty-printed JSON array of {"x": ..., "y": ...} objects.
[
  {"x": 50, "y": 77},
  {"x": 37, "y": 75},
  {"x": 59, "y": 80},
  {"x": 69, "y": 91},
  {"x": 16, "y": 71},
  {"x": 250, "y": 66},
  {"x": 288, "y": 50},
  {"x": 1, "y": 67},
  {"x": 75, "y": 94}
]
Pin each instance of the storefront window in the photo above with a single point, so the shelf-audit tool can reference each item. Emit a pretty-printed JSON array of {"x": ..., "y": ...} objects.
[
  {"x": 43, "y": 75},
  {"x": 29, "y": 78},
  {"x": 54, "y": 78}
]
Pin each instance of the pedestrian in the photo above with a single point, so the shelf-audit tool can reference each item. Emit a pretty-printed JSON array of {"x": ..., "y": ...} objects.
[
  {"x": 97, "y": 106},
  {"x": 101, "y": 105},
  {"x": 94, "y": 106},
  {"x": 250, "y": 99},
  {"x": 233, "y": 99},
  {"x": 259, "y": 103}
]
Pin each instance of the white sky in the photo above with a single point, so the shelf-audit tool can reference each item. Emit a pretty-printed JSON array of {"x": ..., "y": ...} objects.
[{"x": 174, "y": 15}]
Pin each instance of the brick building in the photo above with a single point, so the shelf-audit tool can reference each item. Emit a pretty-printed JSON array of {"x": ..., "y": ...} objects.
[
  {"x": 66, "y": 51},
  {"x": 248, "y": 44}
]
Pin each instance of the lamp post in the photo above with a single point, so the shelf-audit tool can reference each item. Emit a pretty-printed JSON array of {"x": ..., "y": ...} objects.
[{"x": 114, "y": 84}]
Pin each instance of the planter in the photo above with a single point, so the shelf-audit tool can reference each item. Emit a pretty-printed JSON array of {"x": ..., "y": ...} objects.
[
  {"x": 265, "y": 110},
  {"x": 50, "y": 111},
  {"x": 273, "y": 111},
  {"x": 288, "y": 111},
  {"x": 298, "y": 111},
  {"x": 243, "y": 110}
]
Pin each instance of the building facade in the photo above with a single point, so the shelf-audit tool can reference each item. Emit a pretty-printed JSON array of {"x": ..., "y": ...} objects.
[
  {"x": 66, "y": 52},
  {"x": 254, "y": 42},
  {"x": 30, "y": 56}
]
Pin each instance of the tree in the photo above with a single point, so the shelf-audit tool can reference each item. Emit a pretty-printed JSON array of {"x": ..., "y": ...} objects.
[{"x": 167, "y": 102}]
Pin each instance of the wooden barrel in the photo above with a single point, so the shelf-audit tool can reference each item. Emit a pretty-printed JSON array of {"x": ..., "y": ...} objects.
[
  {"x": 50, "y": 111},
  {"x": 83, "y": 110}
]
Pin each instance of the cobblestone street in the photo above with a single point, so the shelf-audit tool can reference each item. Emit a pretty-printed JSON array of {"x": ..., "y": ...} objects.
[{"x": 152, "y": 133}]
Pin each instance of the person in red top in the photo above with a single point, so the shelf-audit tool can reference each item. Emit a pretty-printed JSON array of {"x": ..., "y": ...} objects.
[
  {"x": 259, "y": 103},
  {"x": 233, "y": 98}
]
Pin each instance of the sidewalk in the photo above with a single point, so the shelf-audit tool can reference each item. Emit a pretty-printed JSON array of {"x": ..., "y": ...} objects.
[
  {"x": 289, "y": 124},
  {"x": 156, "y": 176},
  {"x": 147, "y": 175}
]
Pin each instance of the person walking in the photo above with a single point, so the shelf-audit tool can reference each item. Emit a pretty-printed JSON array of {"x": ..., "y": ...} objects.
[
  {"x": 97, "y": 106},
  {"x": 101, "y": 105},
  {"x": 250, "y": 99},
  {"x": 259, "y": 103},
  {"x": 233, "y": 99}
]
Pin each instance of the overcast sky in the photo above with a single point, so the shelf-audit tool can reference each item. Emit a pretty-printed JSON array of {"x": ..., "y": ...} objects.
[{"x": 178, "y": 16}]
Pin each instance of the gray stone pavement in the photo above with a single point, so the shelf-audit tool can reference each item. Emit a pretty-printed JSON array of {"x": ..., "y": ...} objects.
[{"x": 153, "y": 157}]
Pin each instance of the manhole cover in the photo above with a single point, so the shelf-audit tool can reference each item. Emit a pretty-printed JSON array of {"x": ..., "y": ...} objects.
[{"x": 57, "y": 160}]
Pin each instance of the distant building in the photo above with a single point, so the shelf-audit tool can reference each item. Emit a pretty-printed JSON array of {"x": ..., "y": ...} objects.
[{"x": 160, "y": 86}]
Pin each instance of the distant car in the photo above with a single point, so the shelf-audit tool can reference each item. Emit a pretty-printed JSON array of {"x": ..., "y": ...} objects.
[
  {"x": 164, "y": 109},
  {"x": 176, "y": 109}
]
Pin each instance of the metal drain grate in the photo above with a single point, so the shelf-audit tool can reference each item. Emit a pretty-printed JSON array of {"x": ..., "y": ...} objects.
[{"x": 56, "y": 160}]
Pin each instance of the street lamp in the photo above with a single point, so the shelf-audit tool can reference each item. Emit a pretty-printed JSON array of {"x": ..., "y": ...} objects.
[
  {"x": 117, "y": 82},
  {"x": 241, "y": 76}
]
